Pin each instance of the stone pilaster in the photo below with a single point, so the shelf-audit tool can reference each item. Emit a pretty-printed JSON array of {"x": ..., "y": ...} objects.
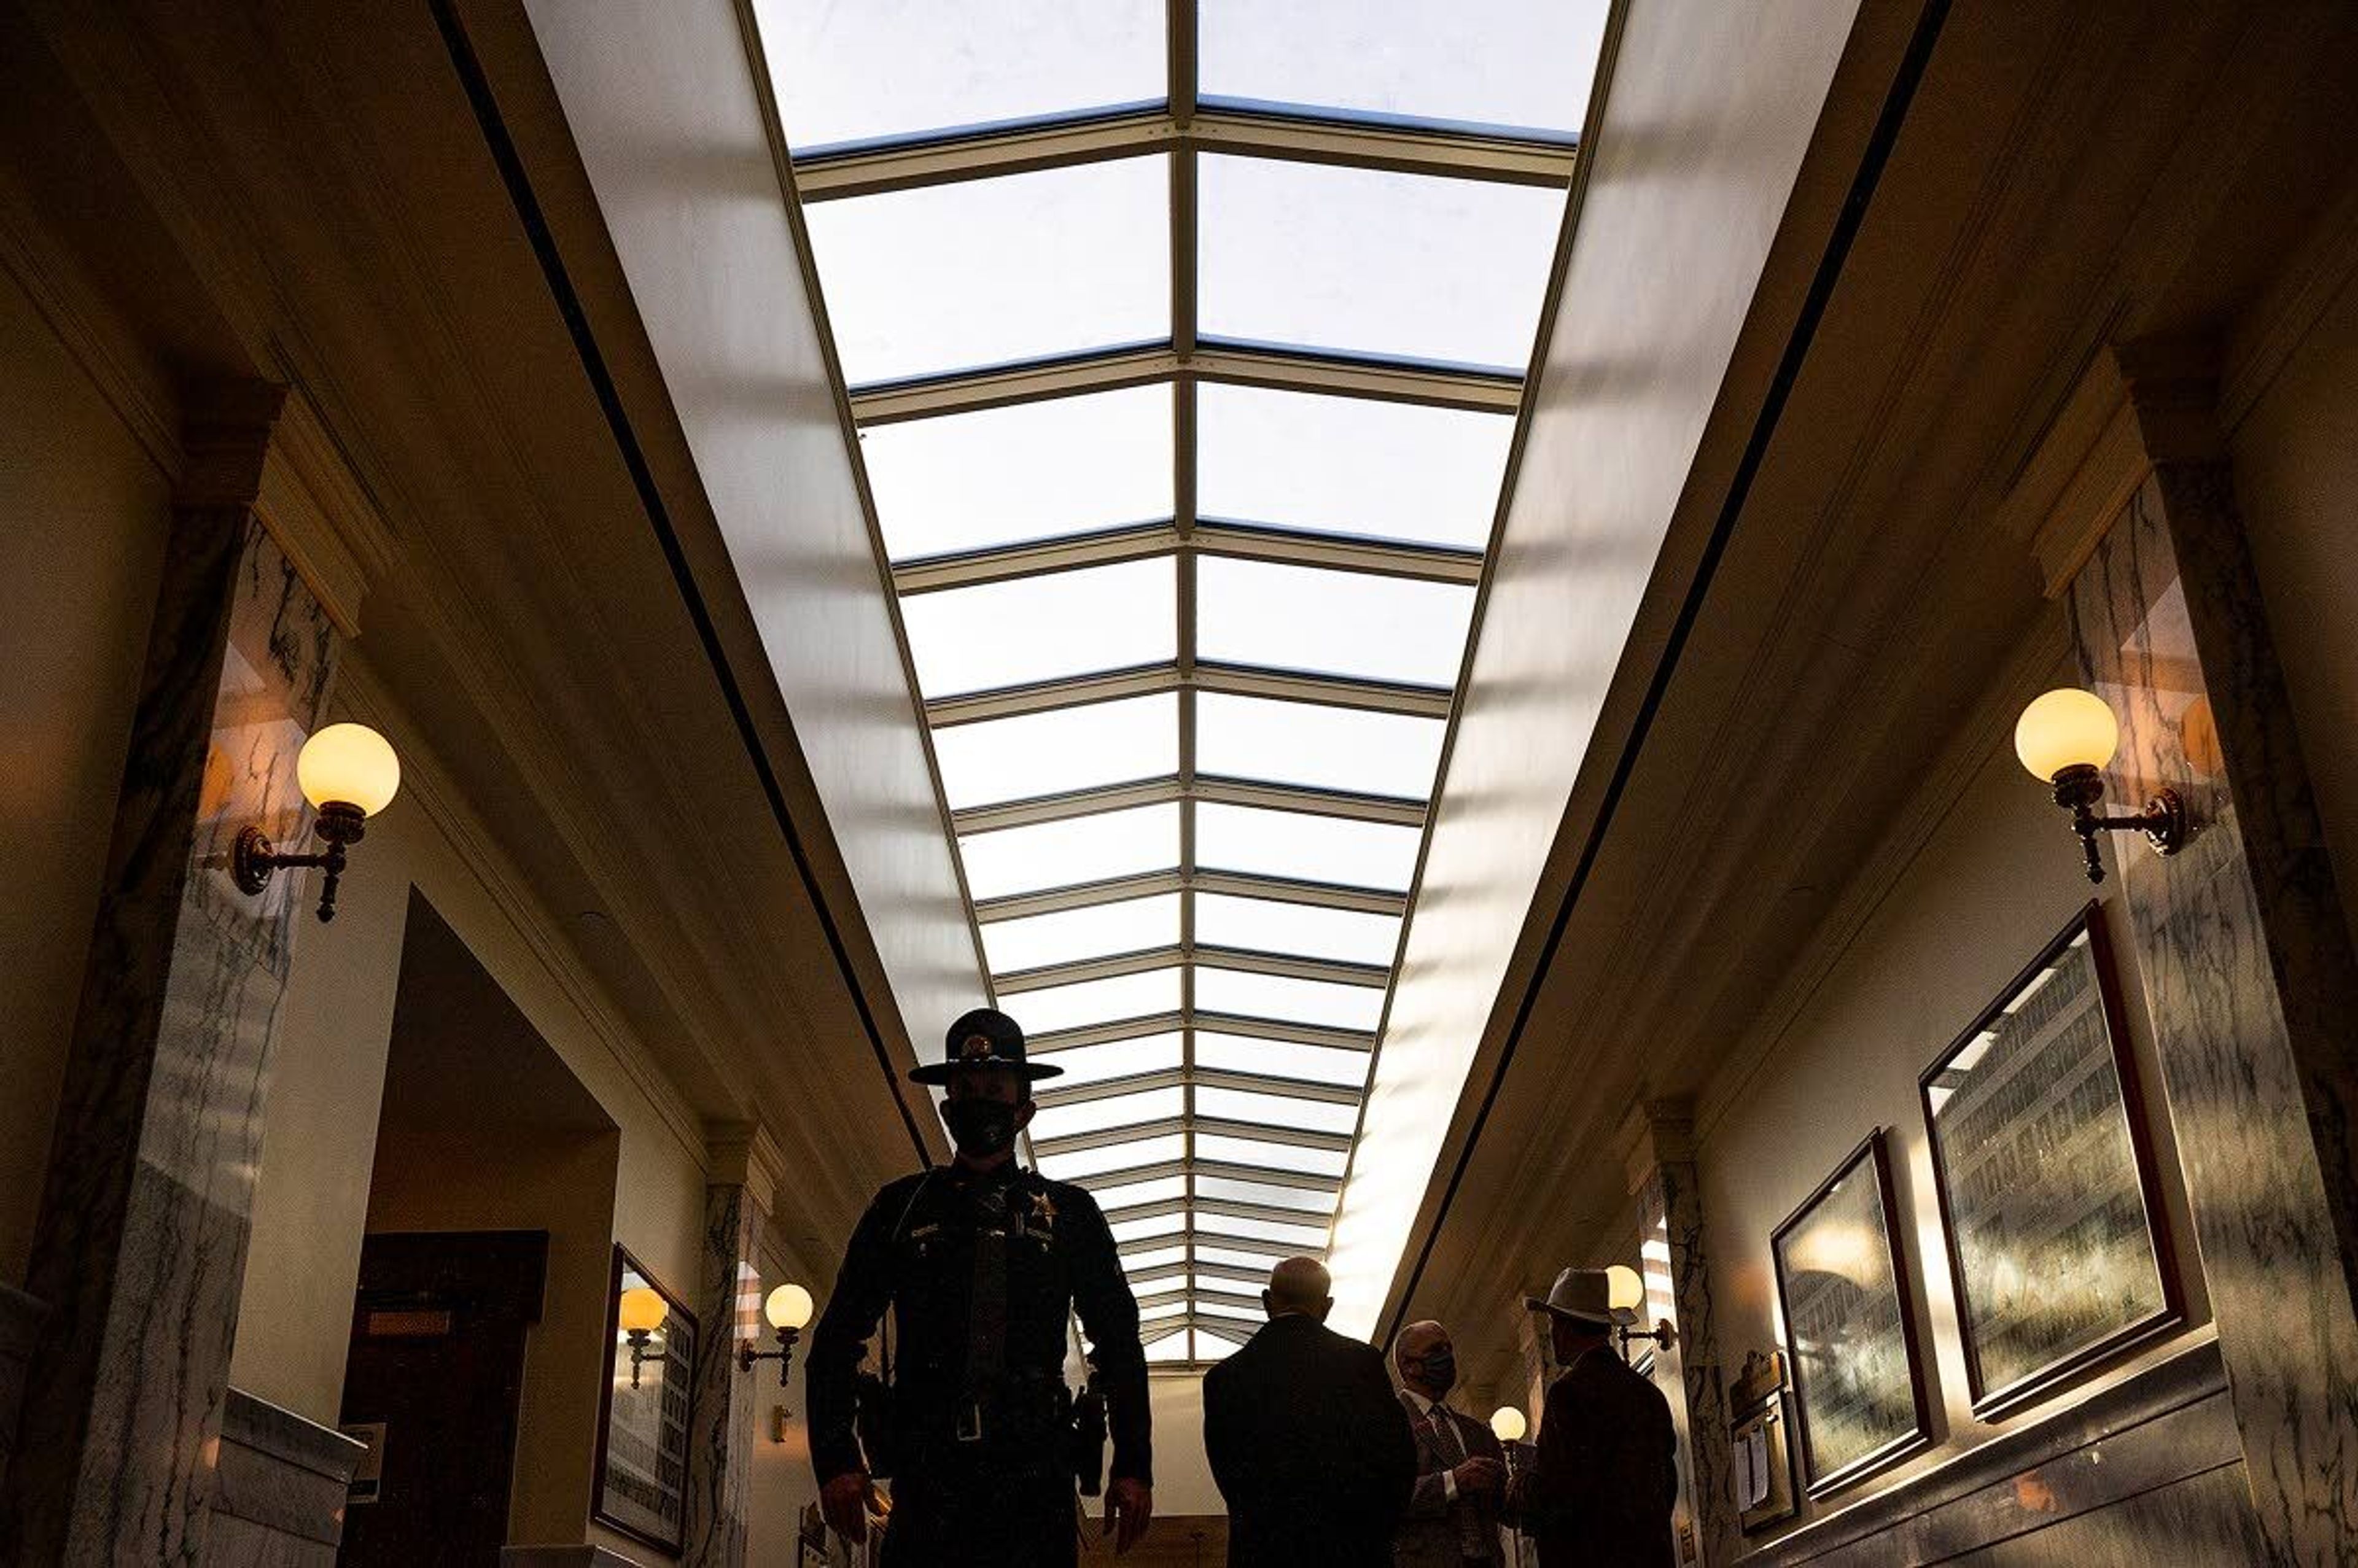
[
  {"x": 1659, "y": 1145},
  {"x": 139, "y": 1251},
  {"x": 738, "y": 1196},
  {"x": 2243, "y": 954}
]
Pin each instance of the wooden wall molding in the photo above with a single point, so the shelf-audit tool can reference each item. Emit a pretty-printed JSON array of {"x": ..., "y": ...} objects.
[{"x": 2135, "y": 405}]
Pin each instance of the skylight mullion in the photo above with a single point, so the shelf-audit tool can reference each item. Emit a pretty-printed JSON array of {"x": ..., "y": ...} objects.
[
  {"x": 1083, "y": 971},
  {"x": 1271, "y": 1029},
  {"x": 1290, "y": 965},
  {"x": 1047, "y": 1043},
  {"x": 1051, "y": 1094},
  {"x": 1230, "y": 1209},
  {"x": 849, "y": 173},
  {"x": 1254, "y": 1132},
  {"x": 1234, "y": 680},
  {"x": 1374, "y": 377},
  {"x": 1260, "y": 1083},
  {"x": 1230, "y": 885},
  {"x": 1111, "y": 1137},
  {"x": 1228, "y": 1170}
]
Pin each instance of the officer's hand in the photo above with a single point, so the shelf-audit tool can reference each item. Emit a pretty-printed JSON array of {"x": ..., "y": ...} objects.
[
  {"x": 1130, "y": 1504},
  {"x": 1481, "y": 1478},
  {"x": 844, "y": 1501}
]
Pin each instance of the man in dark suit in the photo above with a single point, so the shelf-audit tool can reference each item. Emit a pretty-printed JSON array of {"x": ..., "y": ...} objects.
[
  {"x": 1601, "y": 1494},
  {"x": 1461, "y": 1471},
  {"x": 1307, "y": 1443}
]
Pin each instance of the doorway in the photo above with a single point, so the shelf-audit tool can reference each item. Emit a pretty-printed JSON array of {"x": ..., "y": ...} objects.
[{"x": 479, "y": 1324}]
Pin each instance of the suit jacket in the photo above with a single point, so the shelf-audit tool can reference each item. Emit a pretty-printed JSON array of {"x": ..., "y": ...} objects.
[
  {"x": 1308, "y": 1447},
  {"x": 1606, "y": 1476},
  {"x": 1438, "y": 1529}
]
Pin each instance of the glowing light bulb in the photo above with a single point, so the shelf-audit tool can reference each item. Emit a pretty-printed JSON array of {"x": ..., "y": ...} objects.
[
  {"x": 1624, "y": 1289},
  {"x": 348, "y": 765},
  {"x": 643, "y": 1309},
  {"x": 2065, "y": 728},
  {"x": 788, "y": 1306},
  {"x": 1507, "y": 1425}
]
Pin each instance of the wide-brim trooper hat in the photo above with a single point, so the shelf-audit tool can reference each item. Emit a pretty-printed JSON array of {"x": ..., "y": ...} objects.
[
  {"x": 982, "y": 1038},
  {"x": 1583, "y": 1295}
]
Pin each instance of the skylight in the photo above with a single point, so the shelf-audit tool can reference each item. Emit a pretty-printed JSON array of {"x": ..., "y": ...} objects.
[{"x": 1185, "y": 387}]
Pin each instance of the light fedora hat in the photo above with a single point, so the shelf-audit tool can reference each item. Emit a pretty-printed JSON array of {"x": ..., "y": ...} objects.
[{"x": 1584, "y": 1295}]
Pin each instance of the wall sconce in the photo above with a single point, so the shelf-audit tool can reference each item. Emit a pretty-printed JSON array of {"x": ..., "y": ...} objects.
[
  {"x": 1627, "y": 1293},
  {"x": 348, "y": 772},
  {"x": 642, "y": 1312},
  {"x": 788, "y": 1308},
  {"x": 2066, "y": 738}
]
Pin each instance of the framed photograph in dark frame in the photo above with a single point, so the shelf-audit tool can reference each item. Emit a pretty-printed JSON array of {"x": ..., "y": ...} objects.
[
  {"x": 1842, "y": 1286},
  {"x": 644, "y": 1414},
  {"x": 2046, "y": 1179}
]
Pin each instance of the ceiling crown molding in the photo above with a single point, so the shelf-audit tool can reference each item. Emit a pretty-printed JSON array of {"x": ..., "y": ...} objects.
[
  {"x": 264, "y": 446},
  {"x": 742, "y": 1153},
  {"x": 2136, "y": 405}
]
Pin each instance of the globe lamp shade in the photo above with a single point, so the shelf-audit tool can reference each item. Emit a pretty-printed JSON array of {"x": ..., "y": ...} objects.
[
  {"x": 788, "y": 1306},
  {"x": 348, "y": 765},
  {"x": 2066, "y": 727},
  {"x": 1625, "y": 1290},
  {"x": 1507, "y": 1423},
  {"x": 643, "y": 1309}
]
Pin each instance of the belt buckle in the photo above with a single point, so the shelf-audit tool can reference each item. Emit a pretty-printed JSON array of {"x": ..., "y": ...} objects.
[{"x": 969, "y": 1420}]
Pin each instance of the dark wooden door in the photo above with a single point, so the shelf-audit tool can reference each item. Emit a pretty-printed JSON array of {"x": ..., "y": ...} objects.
[{"x": 439, "y": 1330}]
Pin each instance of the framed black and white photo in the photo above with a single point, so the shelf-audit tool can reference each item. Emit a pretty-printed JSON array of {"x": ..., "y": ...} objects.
[
  {"x": 1858, "y": 1383},
  {"x": 642, "y": 1421},
  {"x": 2046, "y": 1183}
]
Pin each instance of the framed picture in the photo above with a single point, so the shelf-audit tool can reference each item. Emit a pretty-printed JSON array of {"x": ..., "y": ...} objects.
[
  {"x": 643, "y": 1420},
  {"x": 2046, "y": 1181},
  {"x": 1858, "y": 1384}
]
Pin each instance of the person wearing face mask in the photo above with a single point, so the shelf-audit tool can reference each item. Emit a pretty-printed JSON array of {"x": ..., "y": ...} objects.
[
  {"x": 983, "y": 1263},
  {"x": 1461, "y": 1472}
]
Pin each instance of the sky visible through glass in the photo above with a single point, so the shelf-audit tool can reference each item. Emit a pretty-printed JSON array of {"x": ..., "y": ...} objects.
[{"x": 1185, "y": 396}]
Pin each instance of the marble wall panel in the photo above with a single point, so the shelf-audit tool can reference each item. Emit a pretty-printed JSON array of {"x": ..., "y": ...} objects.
[
  {"x": 2243, "y": 959},
  {"x": 279, "y": 1490},
  {"x": 720, "y": 1442},
  {"x": 140, "y": 1246},
  {"x": 1678, "y": 1288}
]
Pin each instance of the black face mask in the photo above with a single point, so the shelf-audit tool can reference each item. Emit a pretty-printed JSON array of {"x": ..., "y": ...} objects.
[
  {"x": 982, "y": 1129},
  {"x": 1441, "y": 1370}
]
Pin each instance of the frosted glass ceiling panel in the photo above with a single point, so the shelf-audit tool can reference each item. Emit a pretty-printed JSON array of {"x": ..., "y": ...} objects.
[
  {"x": 1177, "y": 1347},
  {"x": 1270, "y": 1193},
  {"x": 1084, "y": 1162},
  {"x": 1349, "y": 465},
  {"x": 1030, "y": 471},
  {"x": 1156, "y": 1313},
  {"x": 1099, "y": 930},
  {"x": 1042, "y": 628},
  {"x": 1233, "y": 1314},
  {"x": 1269, "y": 1156},
  {"x": 1157, "y": 1225},
  {"x": 1262, "y": 1230},
  {"x": 1237, "y": 1258},
  {"x": 1330, "y": 622},
  {"x": 1115, "y": 1059},
  {"x": 1097, "y": 1115},
  {"x": 1309, "y": 743},
  {"x": 1212, "y": 1347},
  {"x": 1369, "y": 262},
  {"x": 1282, "y": 998},
  {"x": 1266, "y": 925},
  {"x": 1064, "y": 749},
  {"x": 1304, "y": 847},
  {"x": 1077, "y": 849},
  {"x": 1053, "y": 1008},
  {"x": 852, "y": 72},
  {"x": 983, "y": 272},
  {"x": 1279, "y": 1059},
  {"x": 1276, "y": 1110},
  {"x": 1154, "y": 1257},
  {"x": 1130, "y": 1194},
  {"x": 1509, "y": 63}
]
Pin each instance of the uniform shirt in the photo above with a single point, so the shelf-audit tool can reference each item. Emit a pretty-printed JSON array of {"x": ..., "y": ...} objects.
[{"x": 914, "y": 1250}]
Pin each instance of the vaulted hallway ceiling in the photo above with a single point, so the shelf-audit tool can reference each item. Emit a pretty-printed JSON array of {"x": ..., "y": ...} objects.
[{"x": 1186, "y": 346}]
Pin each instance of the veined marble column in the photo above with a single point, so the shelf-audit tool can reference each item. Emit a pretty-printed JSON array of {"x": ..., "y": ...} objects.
[
  {"x": 2244, "y": 957},
  {"x": 1658, "y": 1147},
  {"x": 140, "y": 1246},
  {"x": 742, "y": 1185}
]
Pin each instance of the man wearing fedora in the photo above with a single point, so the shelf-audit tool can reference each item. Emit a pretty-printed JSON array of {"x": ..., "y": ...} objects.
[
  {"x": 1601, "y": 1493},
  {"x": 981, "y": 1262}
]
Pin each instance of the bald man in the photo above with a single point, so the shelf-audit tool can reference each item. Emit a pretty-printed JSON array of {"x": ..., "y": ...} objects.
[
  {"x": 1461, "y": 1471},
  {"x": 1307, "y": 1443}
]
